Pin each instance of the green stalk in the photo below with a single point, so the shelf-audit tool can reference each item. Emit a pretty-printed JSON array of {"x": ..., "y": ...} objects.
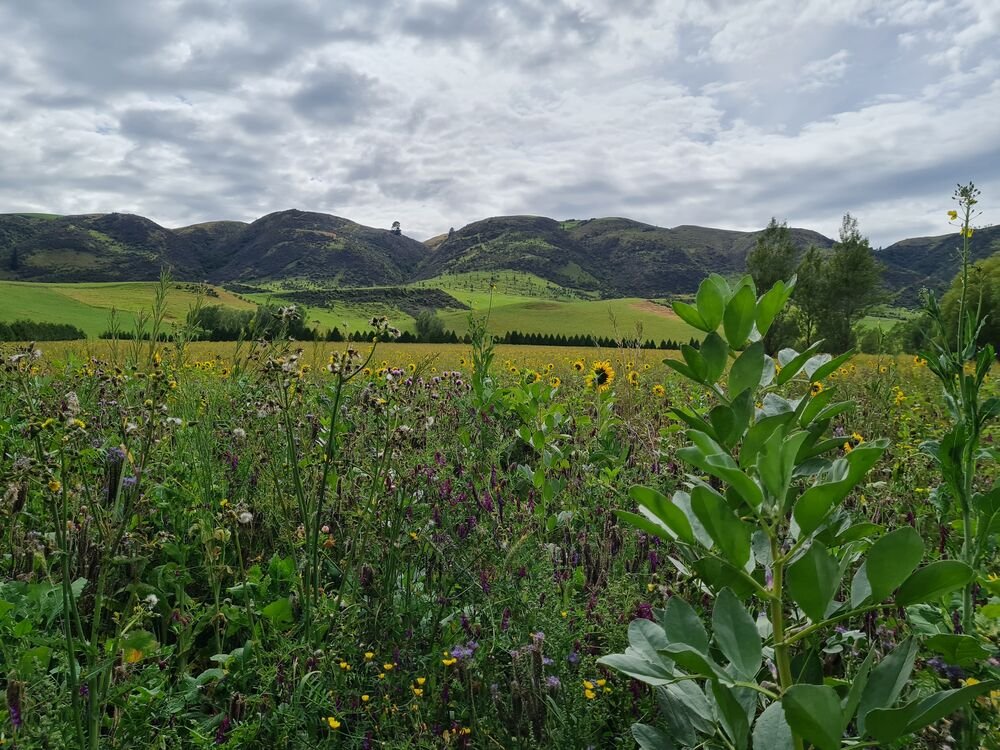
[{"x": 781, "y": 646}]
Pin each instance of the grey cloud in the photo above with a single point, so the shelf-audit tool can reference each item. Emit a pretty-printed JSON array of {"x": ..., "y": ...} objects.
[
  {"x": 336, "y": 95},
  {"x": 436, "y": 113}
]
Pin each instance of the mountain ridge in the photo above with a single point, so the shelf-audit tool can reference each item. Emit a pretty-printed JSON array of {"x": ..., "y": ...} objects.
[{"x": 615, "y": 256}]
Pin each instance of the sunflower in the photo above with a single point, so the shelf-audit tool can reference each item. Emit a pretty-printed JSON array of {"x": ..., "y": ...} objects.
[
  {"x": 853, "y": 442},
  {"x": 601, "y": 376},
  {"x": 633, "y": 378},
  {"x": 579, "y": 365},
  {"x": 555, "y": 382},
  {"x": 659, "y": 391},
  {"x": 816, "y": 388}
]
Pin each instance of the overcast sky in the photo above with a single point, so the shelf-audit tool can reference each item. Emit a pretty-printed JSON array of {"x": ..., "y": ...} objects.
[{"x": 439, "y": 113}]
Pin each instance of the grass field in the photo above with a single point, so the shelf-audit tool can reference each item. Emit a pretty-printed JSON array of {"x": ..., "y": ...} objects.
[
  {"x": 88, "y": 305},
  {"x": 519, "y": 302}
]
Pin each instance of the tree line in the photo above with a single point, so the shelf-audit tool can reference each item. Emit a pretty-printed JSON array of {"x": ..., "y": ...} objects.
[
  {"x": 837, "y": 288},
  {"x": 33, "y": 330}
]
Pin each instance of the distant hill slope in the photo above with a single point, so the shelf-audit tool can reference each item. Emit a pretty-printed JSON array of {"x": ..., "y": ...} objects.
[
  {"x": 93, "y": 247},
  {"x": 619, "y": 257},
  {"x": 931, "y": 261},
  {"x": 318, "y": 248},
  {"x": 613, "y": 257}
]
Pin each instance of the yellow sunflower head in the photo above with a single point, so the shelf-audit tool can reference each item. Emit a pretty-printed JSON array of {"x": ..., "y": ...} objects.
[
  {"x": 816, "y": 388},
  {"x": 633, "y": 378},
  {"x": 601, "y": 376},
  {"x": 659, "y": 391},
  {"x": 579, "y": 365}
]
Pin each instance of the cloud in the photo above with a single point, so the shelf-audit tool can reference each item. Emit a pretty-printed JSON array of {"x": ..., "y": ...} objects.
[{"x": 441, "y": 112}]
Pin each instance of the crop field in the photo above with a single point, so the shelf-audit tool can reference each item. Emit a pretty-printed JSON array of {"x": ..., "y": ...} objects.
[
  {"x": 385, "y": 545},
  {"x": 88, "y": 306},
  {"x": 518, "y": 301}
]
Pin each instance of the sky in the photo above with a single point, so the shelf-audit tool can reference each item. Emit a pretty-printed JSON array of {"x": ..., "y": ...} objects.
[{"x": 438, "y": 113}]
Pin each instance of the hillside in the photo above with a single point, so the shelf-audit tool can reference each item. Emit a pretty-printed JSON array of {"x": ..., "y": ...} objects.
[
  {"x": 619, "y": 257},
  {"x": 317, "y": 248},
  {"x": 302, "y": 250},
  {"x": 931, "y": 261}
]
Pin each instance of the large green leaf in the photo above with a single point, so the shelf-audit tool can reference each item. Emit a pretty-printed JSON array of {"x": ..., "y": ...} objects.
[
  {"x": 739, "y": 317},
  {"x": 732, "y": 714},
  {"x": 747, "y": 370},
  {"x": 813, "y": 713},
  {"x": 646, "y": 639},
  {"x": 715, "y": 354},
  {"x": 736, "y": 634},
  {"x": 791, "y": 362},
  {"x": 690, "y": 315},
  {"x": 816, "y": 502},
  {"x": 813, "y": 581},
  {"x": 776, "y": 462},
  {"x": 682, "y": 625},
  {"x": 687, "y": 711},
  {"x": 728, "y": 532},
  {"x": 652, "y": 673},
  {"x": 892, "y": 559},
  {"x": 771, "y": 303},
  {"x": 669, "y": 514},
  {"x": 650, "y": 738},
  {"x": 711, "y": 300},
  {"x": 888, "y": 724},
  {"x": 771, "y": 732},
  {"x": 887, "y": 680},
  {"x": 934, "y": 581}
]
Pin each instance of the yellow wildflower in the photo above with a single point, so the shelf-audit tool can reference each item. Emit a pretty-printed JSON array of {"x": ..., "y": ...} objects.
[{"x": 332, "y": 722}]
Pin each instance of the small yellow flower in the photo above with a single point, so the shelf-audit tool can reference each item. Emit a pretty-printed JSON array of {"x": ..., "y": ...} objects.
[
  {"x": 953, "y": 215},
  {"x": 448, "y": 662},
  {"x": 816, "y": 388},
  {"x": 369, "y": 655},
  {"x": 132, "y": 655},
  {"x": 332, "y": 722},
  {"x": 659, "y": 391},
  {"x": 55, "y": 485},
  {"x": 966, "y": 231},
  {"x": 601, "y": 683},
  {"x": 389, "y": 666},
  {"x": 365, "y": 698},
  {"x": 345, "y": 666},
  {"x": 421, "y": 681},
  {"x": 588, "y": 685},
  {"x": 564, "y": 614},
  {"x": 417, "y": 691},
  {"x": 589, "y": 694}
]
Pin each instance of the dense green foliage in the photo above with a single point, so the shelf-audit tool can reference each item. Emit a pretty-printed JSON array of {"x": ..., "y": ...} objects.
[
  {"x": 983, "y": 295},
  {"x": 31, "y": 330}
]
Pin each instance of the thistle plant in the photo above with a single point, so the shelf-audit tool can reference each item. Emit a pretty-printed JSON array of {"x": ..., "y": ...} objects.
[
  {"x": 761, "y": 524},
  {"x": 962, "y": 364}
]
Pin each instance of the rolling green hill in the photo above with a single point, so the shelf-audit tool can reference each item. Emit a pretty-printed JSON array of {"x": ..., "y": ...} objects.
[
  {"x": 88, "y": 305},
  {"x": 539, "y": 275}
]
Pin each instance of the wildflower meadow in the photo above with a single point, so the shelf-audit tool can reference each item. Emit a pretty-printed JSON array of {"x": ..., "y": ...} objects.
[{"x": 372, "y": 545}]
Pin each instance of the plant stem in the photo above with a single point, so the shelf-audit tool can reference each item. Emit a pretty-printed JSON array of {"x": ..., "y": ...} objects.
[{"x": 781, "y": 654}]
